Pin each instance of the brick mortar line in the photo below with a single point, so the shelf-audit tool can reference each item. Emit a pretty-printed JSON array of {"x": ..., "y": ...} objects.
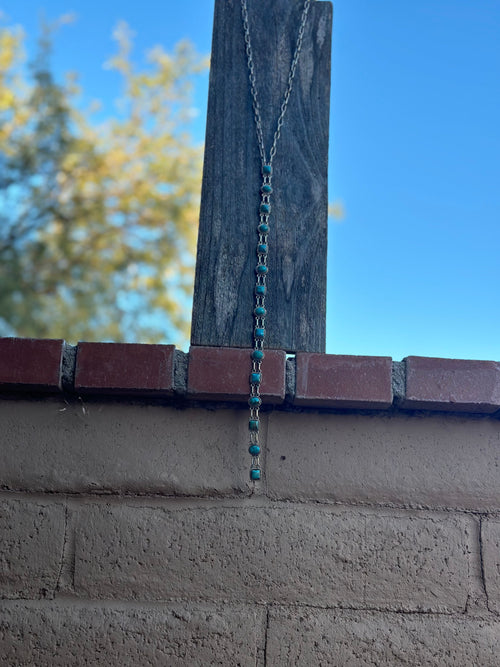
[
  {"x": 114, "y": 495},
  {"x": 68, "y": 600},
  {"x": 249, "y": 501}
]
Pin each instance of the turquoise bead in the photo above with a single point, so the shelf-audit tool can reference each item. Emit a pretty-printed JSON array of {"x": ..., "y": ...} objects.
[
  {"x": 257, "y": 355},
  {"x": 260, "y": 333},
  {"x": 267, "y": 189},
  {"x": 254, "y": 450},
  {"x": 254, "y": 474},
  {"x": 262, "y": 269},
  {"x": 254, "y": 401},
  {"x": 260, "y": 311},
  {"x": 263, "y": 228},
  {"x": 255, "y": 378},
  {"x": 267, "y": 169},
  {"x": 262, "y": 249},
  {"x": 253, "y": 424},
  {"x": 265, "y": 208},
  {"x": 260, "y": 290}
]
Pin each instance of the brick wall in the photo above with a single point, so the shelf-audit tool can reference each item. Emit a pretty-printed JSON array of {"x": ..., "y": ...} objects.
[{"x": 131, "y": 535}]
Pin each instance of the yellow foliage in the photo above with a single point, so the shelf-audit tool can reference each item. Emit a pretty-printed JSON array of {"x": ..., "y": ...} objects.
[
  {"x": 336, "y": 210},
  {"x": 111, "y": 226}
]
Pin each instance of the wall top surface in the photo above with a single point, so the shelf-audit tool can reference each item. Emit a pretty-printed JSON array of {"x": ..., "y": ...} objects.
[{"x": 310, "y": 380}]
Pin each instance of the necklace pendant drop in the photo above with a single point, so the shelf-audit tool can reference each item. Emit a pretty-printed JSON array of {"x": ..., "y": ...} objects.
[
  {"x": 263, "y": 229},
  {"x": 259, "y": 312}
]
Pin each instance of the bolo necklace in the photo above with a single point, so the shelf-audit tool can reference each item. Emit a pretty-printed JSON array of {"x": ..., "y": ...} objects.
[{"x": 263, "y": 228}]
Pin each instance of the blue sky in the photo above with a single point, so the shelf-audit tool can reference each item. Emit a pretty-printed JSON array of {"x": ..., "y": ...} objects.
[{"x": 413, "y": 267}]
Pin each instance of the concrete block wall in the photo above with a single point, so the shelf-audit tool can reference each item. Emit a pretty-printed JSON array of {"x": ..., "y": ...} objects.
[{"x": 131, "y": 535}]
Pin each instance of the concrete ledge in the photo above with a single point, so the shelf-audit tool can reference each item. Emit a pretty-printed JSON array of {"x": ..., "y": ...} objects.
[
  {"x": 404, "y": 459},
  {"x": 91, "y": 446},
  {"x": 88, "y": 446},
  {"x": 360, "y": 639},
  {"x": 177, "y": 635},
  {"x": 279, "y": 554}
]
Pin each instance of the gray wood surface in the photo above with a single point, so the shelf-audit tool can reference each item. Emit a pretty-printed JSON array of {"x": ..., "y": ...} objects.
[{"x": 226, "y": 259}]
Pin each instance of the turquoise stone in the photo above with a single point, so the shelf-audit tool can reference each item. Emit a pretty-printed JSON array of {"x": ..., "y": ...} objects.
[
  {"x": 257, "y": 355},
  {"x": 260, "y": 290},
  {"x": 260, "y": 311},
  {"x": 253, "y": 424},
  {"x": 263, "y": 228},
  {"x": 267, "y": 189},
  {"x": 262, "y": 249},
  {"x": 260, "y": 333},
  {"x": 265, "y": 208},
  {"x": 267, "y": 169},
  {"x": 254, "y": 450},
  {"x": 254, "y": 474},
  {"x": 254, "y": 401},
  {"x": 255, "y": 378},
  {"x": 262, "y": 269}
]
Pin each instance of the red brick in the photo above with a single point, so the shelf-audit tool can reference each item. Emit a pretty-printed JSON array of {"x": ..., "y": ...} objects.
[
  {"x": 222, "y": 373},
  {"x": 456, "y": 385},
  {"x": 342, "y": 381},
  {"x": 125, "y": 368},
  {"x": 27, "y": 363}
]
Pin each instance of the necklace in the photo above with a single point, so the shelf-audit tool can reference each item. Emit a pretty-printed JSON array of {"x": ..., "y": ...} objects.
[{"x": 264, "y": 211}]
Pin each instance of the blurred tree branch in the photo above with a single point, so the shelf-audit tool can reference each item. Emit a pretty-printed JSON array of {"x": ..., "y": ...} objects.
[{"x": 97, "y": 222}]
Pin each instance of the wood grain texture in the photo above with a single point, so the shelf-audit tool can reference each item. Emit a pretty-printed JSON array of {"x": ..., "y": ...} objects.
[{"x": 226, "y": 259}]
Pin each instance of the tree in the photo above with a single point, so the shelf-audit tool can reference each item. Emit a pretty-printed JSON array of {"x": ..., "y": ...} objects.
[{"x": 97, "y": 222}]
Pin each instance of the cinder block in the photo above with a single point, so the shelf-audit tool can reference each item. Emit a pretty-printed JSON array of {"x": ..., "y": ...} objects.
[
  {"x": 179, "y": 635},
  {"x": 31, "y": 546},
  {"x": 222, "y": 373},
  {"x": 29, "y": 364},
  {"x": 82, "y": 446},
  {"x": 433, "y": 461},
  {"x": 305, "y": 637},
  {"x": 458, "y": 385},
  {"x": 125, "y": 368},
  {"x": 343, "y": 381},
  {"x": 278, "y": 554},
  {"x": 490, "y": 544}
]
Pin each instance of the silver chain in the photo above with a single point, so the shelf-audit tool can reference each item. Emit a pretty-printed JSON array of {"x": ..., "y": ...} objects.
[
  {"x": 253, "y": 86},
  {"x": 261, "y": 269}
]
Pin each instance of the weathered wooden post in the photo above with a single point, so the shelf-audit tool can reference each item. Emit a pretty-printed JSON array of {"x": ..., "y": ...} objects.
[{"x": 225, "y": 271}]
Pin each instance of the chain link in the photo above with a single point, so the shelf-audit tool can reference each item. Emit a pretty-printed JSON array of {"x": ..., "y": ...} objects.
[
  {"x": 261, "y": 269},
  {"x": 253, "y": 85}
]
